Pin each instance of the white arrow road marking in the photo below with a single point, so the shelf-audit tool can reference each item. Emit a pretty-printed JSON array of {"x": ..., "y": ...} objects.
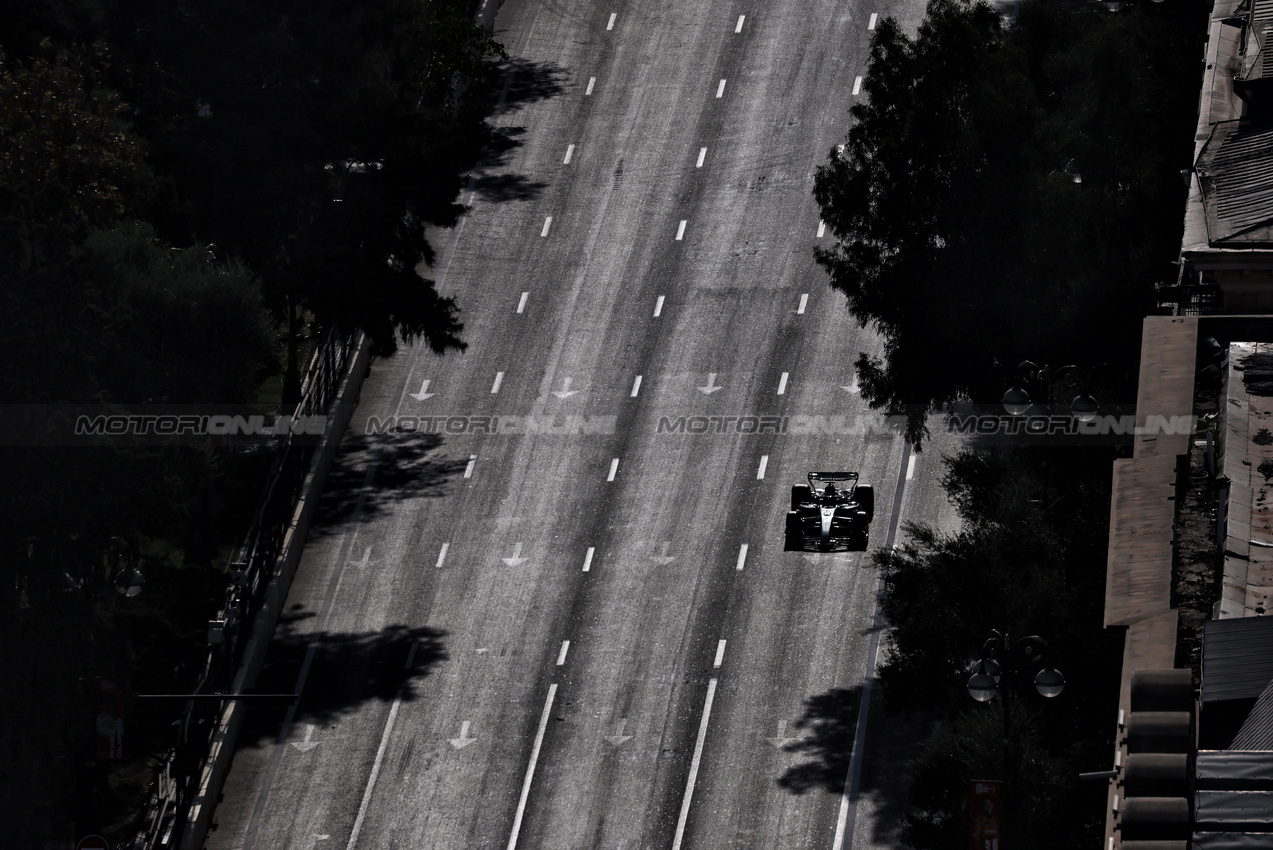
[
  {"x": 618, "y": 738},
  {"x": 530, "y": 768},
  {"x": 804, "y": 302},
  {"x": 592, "y": 81},
  {"x": 711, "y": 385},
  {"x": 636, "y": 387},
  {"x": 587, "y": 559},
  {"x": 680, "y": 230},
  {"x": 663, "y": 558},
  {"x": 782, "y": 384},
  {"x": 442, "y": 555},
  {"x": 468, "y": 470},
  {"x": 658, "y": 307},
  {"x": 852, "y": 386},
  {"x": 694, "y": 763},
  {"x": 516, "y": 560},
  {"x": 464, "y": 740},
  {"x": 610, "y": 25},
  {"x": 742, "y": 556},
  {"x": 424, "y": 392},
  {"x": 764, "y": 463},
  {"x": 781, "y": 739},
  {"x": 720, "y": 653},
  {"x": 614, "y": 468},
  {"x": 306, "y": 745},
  {"x": 521, "y": 305},
  {"x": 739, "y": 28},
  {"x": 366, "y": 559},
  {"x": 565, "y": 391},
  {"x": 561, "y": 656}
]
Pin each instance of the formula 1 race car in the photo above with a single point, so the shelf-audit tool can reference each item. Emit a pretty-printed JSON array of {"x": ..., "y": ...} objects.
[{"x": 832, "y": 510}]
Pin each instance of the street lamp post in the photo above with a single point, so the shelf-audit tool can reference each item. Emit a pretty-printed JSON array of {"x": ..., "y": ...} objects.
[
  {"x": 1017, "y": 399},
  {"x": 1003, "y": 656}
]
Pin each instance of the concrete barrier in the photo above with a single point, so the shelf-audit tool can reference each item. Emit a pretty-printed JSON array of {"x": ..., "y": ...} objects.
[{"x": 221, "y": 752}]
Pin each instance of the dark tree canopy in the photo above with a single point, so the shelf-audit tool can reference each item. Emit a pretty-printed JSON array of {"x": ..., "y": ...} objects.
[{"x": 961, "y": 234}]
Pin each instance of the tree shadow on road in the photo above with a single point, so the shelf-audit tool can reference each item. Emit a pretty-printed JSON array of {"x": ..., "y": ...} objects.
[
  {"x": 348, "y": 669},
  {"x": 826, "y": 741},
  {"x": 526, "y": 82},
  {"x": 407, "y": 466}
]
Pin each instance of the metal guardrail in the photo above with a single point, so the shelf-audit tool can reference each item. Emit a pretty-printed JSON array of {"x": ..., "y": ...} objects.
[{"x": 252, "y": 570}]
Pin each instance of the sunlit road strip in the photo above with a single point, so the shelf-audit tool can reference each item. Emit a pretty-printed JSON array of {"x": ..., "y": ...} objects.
[
  {"x": 380, "y": 755},
  {"x": 853, "y": 782},
  {"x": 695, "y": 761},
  {"x": 530, "y": 768}
]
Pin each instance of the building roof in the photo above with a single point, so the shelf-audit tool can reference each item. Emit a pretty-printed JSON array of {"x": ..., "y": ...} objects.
[
  {"x": 1235, "y": 170},
  {"x": 1235, "y": 770},
  {"x": 1256, "y": 732},
  {"x": 1237, "y": 658}
]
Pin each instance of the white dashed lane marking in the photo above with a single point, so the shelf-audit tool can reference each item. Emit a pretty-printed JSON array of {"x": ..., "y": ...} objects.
[
  {"x": 822, "y": 228},
  {"x": 658, "y": 307},
  {"x": 548, "y": 222},
  {"x": 702, "y": 154},
  {"x": 468, "y": 470},
  {"x": 636, "y": 387},
  {"x": 739, "y": 28},
  {"x": 857, "y": 86},
  {"x": 720, "y": 90},
  {"x": 680, "y": 231},
  {"x": 570, "y": 151},
  {"x": 871, "y": 24},
  {"x": 587, "y": 559},
  {"x": 499, "y": 379},
  {"x": 561, "y": 656},
  {"x": 614, "y": 15},
  {"x": 720, "y": 653},
  {"x": 782, "y": 384},
  {"x": 442, "y": 555},
  {"x": 521, "y": 305},
  {"x": 614, "y": 468},
  {"x": 804, "y": 302},
  {"x": 742, "y": 558},
  {"x": 592, "y": 81},
  {"x": 764, "y": 463}
]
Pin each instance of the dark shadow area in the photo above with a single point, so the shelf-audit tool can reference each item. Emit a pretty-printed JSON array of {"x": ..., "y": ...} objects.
[
  {"x": 525, "y": 82},
  {"x": 349, "y": 668},
  {"x": 826, "y": 741},
  {"x": 407, "y": 466}
]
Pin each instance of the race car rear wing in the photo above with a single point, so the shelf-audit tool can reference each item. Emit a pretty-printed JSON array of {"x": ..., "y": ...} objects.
[{"x": 836, "y": 476}]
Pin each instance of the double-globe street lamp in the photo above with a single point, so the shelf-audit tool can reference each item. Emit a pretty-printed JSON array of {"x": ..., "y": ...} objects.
[
  {"x": 1017, "y": 399},
  {"x": 1003, "y": 660}
]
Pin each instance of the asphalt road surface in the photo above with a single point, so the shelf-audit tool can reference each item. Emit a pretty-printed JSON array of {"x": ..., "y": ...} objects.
[{"x": 547, "y": 604}]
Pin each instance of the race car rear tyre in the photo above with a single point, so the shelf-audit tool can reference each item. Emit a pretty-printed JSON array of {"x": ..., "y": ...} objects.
[
  {"x": 865, "y": 495},
  {"x": 801, "y": 494}
]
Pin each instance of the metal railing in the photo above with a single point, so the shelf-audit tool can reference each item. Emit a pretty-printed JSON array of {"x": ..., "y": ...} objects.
[{"x": 252, "y": 570}]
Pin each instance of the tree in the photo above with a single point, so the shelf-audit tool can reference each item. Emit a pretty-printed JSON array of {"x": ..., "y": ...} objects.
[{"x": 961, "y": 234}]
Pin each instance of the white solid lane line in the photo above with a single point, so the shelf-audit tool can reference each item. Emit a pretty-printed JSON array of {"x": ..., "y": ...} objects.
[
  {"x": 658, "y": 307},
  {"x": 587, "y": 559},
  {"x": 614, "y": 467},
  {"x": 636, "y": 387},
  {"x": 592, "y": 81},
  {"x": 375, "y": 771},
  {"x": 610, "y": 25},
  {"x": 547, "y": 224},
  {"x": 764, "y": 462},
  {"x": 521, "y": 305},
  {"x": 871, "y": 24},
  {"x": 441, "y": 558},
  {"x": 910, "y": 467},
  {"x": 499, "y": 379},
  {"x": 739, "y": 28},
  {"x": 804, "y": 302},
  {"x": 468, "y": 470},
  {"x": 782, "y": 384},
  {"x": 857, "y": 86},
  {"x": 742, "y": 559},
  {"x": 530, "y": 768},
  {"x": 694, "y": 763},
  {"x": 680, "y": 231},
  {"x": 720, "y": 90},
  {"x": 561, "y": 656},
  {"x": 702, "y": 154},
  {"x": 570, "y": 151}
]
